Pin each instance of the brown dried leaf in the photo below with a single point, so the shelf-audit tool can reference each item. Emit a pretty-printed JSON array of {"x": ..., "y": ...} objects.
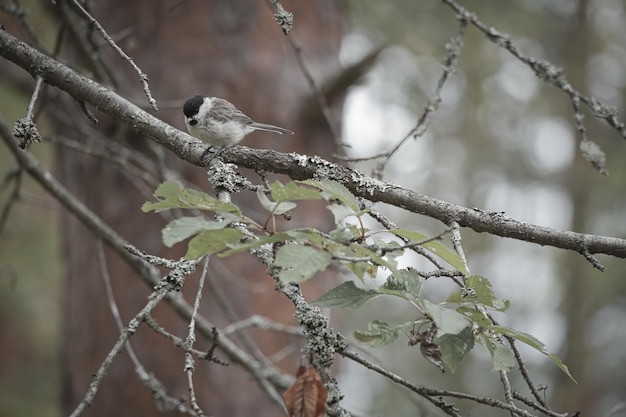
[
  {"x": 306, "y": 397},
  {"x": 430, "y": 350}
]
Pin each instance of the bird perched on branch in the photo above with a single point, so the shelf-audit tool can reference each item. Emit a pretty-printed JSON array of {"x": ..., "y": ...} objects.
[{"x": 219, "y": 123}]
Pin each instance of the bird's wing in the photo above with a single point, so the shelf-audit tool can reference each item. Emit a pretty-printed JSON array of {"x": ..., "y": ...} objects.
[{"x": 224, "y": 111}]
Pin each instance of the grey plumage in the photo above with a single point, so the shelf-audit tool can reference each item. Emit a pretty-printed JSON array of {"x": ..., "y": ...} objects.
[{"x": 218, "y": 122}]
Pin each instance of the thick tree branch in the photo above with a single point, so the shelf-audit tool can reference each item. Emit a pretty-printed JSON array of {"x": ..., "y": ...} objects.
[{"x": 293, "y": 165}]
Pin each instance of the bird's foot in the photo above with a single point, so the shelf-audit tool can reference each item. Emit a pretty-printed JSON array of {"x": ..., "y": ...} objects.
[{"x": 211, "y": 153}]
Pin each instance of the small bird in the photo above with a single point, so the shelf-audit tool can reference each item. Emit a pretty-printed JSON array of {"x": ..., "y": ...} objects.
[{"x": 217, "y": 122}]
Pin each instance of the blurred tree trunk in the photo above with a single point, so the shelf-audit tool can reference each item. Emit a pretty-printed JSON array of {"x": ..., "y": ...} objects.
[
  {"x": 227, "y": 48},
  {"x": 576, "y": 271}
]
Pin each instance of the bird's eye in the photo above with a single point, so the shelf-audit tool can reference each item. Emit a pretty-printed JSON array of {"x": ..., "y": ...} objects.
[{"x": 193, "y": 122}]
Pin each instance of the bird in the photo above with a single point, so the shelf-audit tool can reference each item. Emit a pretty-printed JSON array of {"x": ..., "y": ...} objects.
[{"x": 218, "y": 122}]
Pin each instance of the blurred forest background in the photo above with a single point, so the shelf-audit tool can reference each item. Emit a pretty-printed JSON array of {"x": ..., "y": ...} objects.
[{"x": 501, "y": 141}]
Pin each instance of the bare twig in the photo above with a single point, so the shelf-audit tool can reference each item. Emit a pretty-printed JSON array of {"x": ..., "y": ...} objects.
[
  {"x": 456, "y": 243},
  {"x": 15, "y": 176},
  {"x": 267, "y": 376},
  {"x": 142, "y": 76},
  {"x": 435, "y": 396},
  {"x": 550, "y": 74},
  {"x": 325, "y": 108},
  {"x": 176, "y": 341},
  {"x": 165, "y": 401},
  {"x": 180, "y": 271},
  {"x": 191, "y": 338},
  {"x": 454, "y": 47},
  {"x": 25, "y": 130}
]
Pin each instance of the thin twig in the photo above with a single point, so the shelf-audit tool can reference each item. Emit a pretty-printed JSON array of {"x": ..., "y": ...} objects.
[
  {"x": 178, "y": 273},
  {"x": 328, "y": 115},
  {"x": 456, "y": 243},
  {"x": 524, "y": 371},
  {"x": 25, "y": 129},
  {"x": 15, "y": 176},
  {"x": 454, "y": 47},
  {"x": 434, "y": 395},
  {"x": 191, "y": 338},
  {"x": 176, "y": 341},
  {"x": 265, "y": 324},
  {"x": 268, "y": 377},
  {"x": 34, "y": 97},
  {"x": 508, "y": 393},
  {"x": 165, "y": 401},
  {"x": 142, "y": 76},
  {"x": 547, "y": 72}
]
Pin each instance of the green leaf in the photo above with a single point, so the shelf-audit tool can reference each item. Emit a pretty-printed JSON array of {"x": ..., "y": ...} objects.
[
  {"x": 454, "y": 347},
  {"x": 338, "y": 191},
  {"x": 478, "y": 290},
  {"x": 435, "y": 247},
  {"x": 380, "y": 333},
  {"x": 277, "y": 208},
  {"x": 293, "y": 191},
  {"x": 346, "y": 295},
  {"x": 185, "y": 227},
  {"x": 448, "y": 321},
  {"x": 341, "y": 235},
  {"x": 212, "y": 241},
  {"x": 502, "y": 356},
  {"x": 475, "y": 316},
  {"x": 534, "y": 343},
  {"x": 304, "y": 234},
  {"x": 300, "y": 262},
  {"x": 359, "y": 269},
  {"x": 173, "y": 195},
  {"x": 403, "y": 282},
  {"x": 359, "y": 251},
  {"x": 340, "y": 211}
]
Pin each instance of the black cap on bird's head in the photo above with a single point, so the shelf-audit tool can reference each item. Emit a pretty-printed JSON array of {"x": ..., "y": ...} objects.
[{"x": 192, "y": 105}]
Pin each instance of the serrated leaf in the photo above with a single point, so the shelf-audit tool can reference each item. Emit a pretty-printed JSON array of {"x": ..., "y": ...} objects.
[
  {"x": 403, "y": 282},
  {"x": 172, "y": 194},
  {"x": 379, "y": 333},
  {"x": 185, "y": 227},
  {"x": 212, "y": 241},
  {"x": 480, "y": 291},
  {"x": 338, "y": 191},
  {"x": 454, "y": 347},
  {"x": 293, "y": 191},
  {"x": 448, "y": 321},
  {"x": 300, "y": 262},
  {"x": 346, "y": 295},
  {"x": 435, "y": 247},
  {"x": 533, "y": 342},
  {"x": 273, "y": 207}
]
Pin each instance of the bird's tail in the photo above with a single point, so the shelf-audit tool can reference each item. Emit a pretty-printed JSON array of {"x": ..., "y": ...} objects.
[{"x": 271, "y": 128}]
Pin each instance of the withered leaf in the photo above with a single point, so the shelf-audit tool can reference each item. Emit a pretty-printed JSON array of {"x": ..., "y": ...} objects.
[
  {"x": 306, "y": 397},
  {"x": 430, "y": 350}
]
